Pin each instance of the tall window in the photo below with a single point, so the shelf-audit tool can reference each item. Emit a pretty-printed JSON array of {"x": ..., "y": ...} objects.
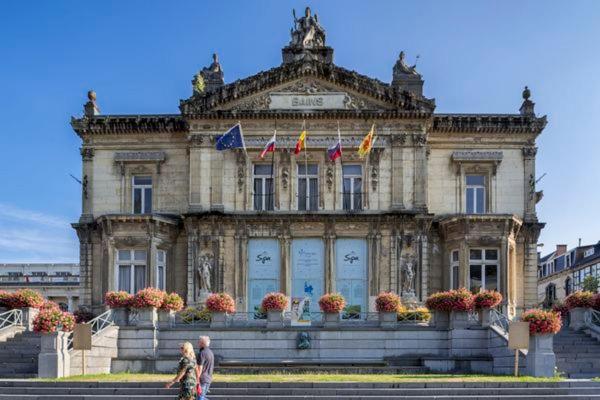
[
  {"x": 454, "y": 268},
  {"x": 568, "y": 286},
  {"x": 161, "y": 269},
  {"x": 475, "y": 194},
  {"x": 142, "y": 194},
  {"x": 263, "y": 187},
  {"x": 131, "y": 270},
  {"x": 483, "y": 269},
  {"x": 308, "y": 187},
  {"x": 352, "y": 187}
]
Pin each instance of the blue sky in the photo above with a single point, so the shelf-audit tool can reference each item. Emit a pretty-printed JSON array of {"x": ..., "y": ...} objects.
[{"x": 140, "y": 56}]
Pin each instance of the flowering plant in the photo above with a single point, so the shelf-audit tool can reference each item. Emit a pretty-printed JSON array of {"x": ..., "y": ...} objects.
[
  {"x": 451, "y": 300},
  {"x": 486, "y": 299},
  {"x": 82, "y": 316},
  {"x": 50, "y": 320},
  {"x": 118, "y": 299},
  {"x": 148, "y": 297},
  {"x": 274, "y": 302},
  {"x": 597, "y": 301},
  {"x": 580, "y": 299},
  {"x": 5, "y": 298},
  {"x": 26, "y": 298},
  {"x": 172, "y": 302},
  {"x": 560, "y": 308},
  {"x": 387, "y": 302},
  {"x": 418, "y": 314},
  {"x": 220, "y": 302},
  {"x": 191, "y": 314},
  {"x": 542, "y": 322},
  {"x": 49, "y": 305},
  {"x": 332, "y": 303}
]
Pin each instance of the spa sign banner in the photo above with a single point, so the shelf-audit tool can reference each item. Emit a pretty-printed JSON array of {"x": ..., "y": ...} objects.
[
  {"x": 308, "y": 270},
  {"x": 263, "y": 270}
]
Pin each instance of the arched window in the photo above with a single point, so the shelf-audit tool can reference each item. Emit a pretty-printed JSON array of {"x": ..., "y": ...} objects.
[
  {"x": 568, "y": 286},
  {"x": 550, "y": 293}
]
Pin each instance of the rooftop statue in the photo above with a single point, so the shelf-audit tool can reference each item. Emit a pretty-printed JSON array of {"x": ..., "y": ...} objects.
[
  {"x": 307, "y": 32},
  {"x": 401, "y": 68},
  {"x": 210, "y": 78}
]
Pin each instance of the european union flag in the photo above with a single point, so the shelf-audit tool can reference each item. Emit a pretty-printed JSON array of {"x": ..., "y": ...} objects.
[{"x": 232, "y": 139}]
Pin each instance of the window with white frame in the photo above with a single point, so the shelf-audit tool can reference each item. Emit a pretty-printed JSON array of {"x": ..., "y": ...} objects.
[
  {"x": 483, "y": 269},
  {"x": 161, "y": 269},
  {"x": 475, "y": 194},
  {"x": 352, "y": 187},
  {"x": 131, "y": 270},
  {"x": 142, "y": 194},
  {"x": 588, "y": 252},
  {"x": 263, "y": 187},
  {"x": 308, "y": 187},
  {"x": 454, "y": 268}
]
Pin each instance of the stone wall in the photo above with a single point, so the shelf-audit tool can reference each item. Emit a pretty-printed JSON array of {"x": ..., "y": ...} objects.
[{"x": 99, "y": 359}]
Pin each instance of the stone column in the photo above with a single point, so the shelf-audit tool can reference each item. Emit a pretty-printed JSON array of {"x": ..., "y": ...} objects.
[
  {"x": 504, "y": 275},
  {"x": 397, "y": 171},
  {"x": 330, "y": 262},
  {"x": 192, "y": 249},
  {"x": 216, "y": 180},
  {"x": 84, "y": 233},
  {"x": 532, "y": 233},
  {"x": 195, "y": 171},
  {"x": 286, "y": 269},
  {"x": 424, "y": 268}
]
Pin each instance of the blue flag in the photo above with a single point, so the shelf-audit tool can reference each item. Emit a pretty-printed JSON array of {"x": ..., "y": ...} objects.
[{"x": 232, "y": 139}]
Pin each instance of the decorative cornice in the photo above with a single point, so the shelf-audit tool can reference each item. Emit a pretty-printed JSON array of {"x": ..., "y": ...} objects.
[
  {"x": 140, "y": 156},
  {"x": 477, "y": 156},
  {"x": 482, "y": 123},
  {"x": 115, "y": 124}
]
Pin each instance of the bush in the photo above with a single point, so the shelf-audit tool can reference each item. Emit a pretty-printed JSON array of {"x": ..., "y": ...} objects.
[
  {"x": 274, "y": 302},
  {"x": 26, "y": 298},
  {"x": 172, "y": 302},
  {"x": 50, "y": 320},
  {"x": 590, "y": 284},
  {"x": 542, "y": 322},
  {"x": 580, "y": 299},
  {"x": 451, "y": 300},
  {"x": 387, "y": 302},
  {"x": 83, "y": 316},
  {"x": 220, "y": 302},
  {"x": 560, "y": 308},
  {"x": 486, "y": 299},
  {"x": 148, "y": 297},
  {"x": 597, "y": 301},
  {"x": 192, "y": 314},
  {"x": 118, "y": 299},
  {"x": 418, "y": 314},
  {"x": 332, "y": 303},
  {"x": 50, "y": 305},
  {"x": 5, "y": 298}
]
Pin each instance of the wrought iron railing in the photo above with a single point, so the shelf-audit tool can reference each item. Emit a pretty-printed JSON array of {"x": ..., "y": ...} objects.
[
  {"x": 11, "y": 318},
  {"x": 499, "y": 320},
  {"x": 591, "y": 319},
  {"x": 99, "y": 324}
]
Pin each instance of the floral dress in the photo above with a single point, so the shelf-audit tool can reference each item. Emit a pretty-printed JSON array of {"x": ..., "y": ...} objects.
[{"x": 187, "y": 383}]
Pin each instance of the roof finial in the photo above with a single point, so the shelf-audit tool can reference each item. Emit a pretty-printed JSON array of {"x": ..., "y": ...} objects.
[
  {"x": 526, "y": 93},
  {"x": 528, "y": 107},
  {"x": 91, "y": 108}
]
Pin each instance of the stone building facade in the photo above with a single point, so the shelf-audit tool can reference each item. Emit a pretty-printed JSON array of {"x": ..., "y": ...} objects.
[{"x": 441, "y": 201}]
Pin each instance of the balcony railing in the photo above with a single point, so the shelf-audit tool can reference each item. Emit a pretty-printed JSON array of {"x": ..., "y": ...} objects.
[{"x": 39, "y": 280}]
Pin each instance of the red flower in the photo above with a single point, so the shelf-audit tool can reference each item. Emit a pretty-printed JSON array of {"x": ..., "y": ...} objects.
[
  {"x": 332, "y": 303},
  {"x": 451, "y": 300},
  {"x": 487, "y": 299},
  {"x": 542, "y": 322},
  {"x": 149, "y": 297},
  {"x": 48, "y": 320},
  {"x": 172, "y": 302},
  {"x": 220, "y": 302},
  {"x": 118, "y": 299},
  {"x": 387, "y": 302},
  {"x": 275, "y": 302},
  {"x": 580, "y": 299},
  {"x": 25, "y": 298}
]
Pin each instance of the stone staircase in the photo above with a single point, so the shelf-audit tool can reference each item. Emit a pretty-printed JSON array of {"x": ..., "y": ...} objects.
[
  {"x": 577, "y": 354},
  {"x": 19, "y": 356},
  {"x": 33, "y": 390}
]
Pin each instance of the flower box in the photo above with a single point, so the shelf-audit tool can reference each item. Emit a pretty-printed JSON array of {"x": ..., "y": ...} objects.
[
  {"x": 485, "y": 317},
  {"x": 577, "y": 318},
  {"x": 274, "y": 319},
  {"x": 441, "y": 319},
  {"x": 166, "y": 318},
  {"x": 388, "y": 319},
  {"x": 459, "y": 320},
  {"x": 218, "y": 320},
  {"x": 541, "y": 360},
  {"x": 220, "y": 303},
  {"x": 147, "y": 317},
  {"x": 120, "y": 316},
  {"x": 331, "y": 319}
]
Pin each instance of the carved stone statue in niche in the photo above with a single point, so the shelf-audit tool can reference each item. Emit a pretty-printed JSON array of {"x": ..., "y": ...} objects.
[
  {"x": 204, "y": 269},
  {"x": 409, "y": 275}
]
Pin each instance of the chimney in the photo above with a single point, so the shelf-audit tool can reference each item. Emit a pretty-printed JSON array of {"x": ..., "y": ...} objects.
[
  {"x": 561, "y": 249},
  {"x": 579, "y": 243}
]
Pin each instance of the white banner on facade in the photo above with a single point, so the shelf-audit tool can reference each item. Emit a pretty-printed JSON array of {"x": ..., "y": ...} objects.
[
  {"x": 308, "y": 270},
  {"x": 351, "y": 275},
  {"x": 263, "y": 270},
  {"x": 300, "y": 314}
]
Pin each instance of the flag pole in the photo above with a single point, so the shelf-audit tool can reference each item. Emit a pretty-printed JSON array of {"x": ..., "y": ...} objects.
[
  {"x": 305, "y": 164},
  {"x": 272, "y": 194}
]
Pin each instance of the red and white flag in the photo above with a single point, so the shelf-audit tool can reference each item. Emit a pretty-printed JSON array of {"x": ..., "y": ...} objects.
[{"x": 270, "y": 146}]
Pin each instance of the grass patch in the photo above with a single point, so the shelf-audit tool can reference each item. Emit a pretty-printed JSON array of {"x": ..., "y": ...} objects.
[{"x": 310, "y": 377}]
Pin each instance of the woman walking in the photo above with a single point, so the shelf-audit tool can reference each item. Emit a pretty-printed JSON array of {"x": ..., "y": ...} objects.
[{"x": 186, "y": 373}]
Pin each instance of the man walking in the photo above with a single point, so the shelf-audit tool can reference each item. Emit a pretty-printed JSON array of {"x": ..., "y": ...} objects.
[{"x": 206, "y": 364}]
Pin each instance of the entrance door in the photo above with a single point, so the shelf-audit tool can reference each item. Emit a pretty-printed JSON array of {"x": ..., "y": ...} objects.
[
  {"x": 351, "y": 275},
  {"x": 263, "y": 270},
  {"x": 308, "y": 270}
]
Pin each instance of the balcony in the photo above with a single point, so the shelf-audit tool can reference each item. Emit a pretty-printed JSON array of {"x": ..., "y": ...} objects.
[{"x": 47, "y": 280}]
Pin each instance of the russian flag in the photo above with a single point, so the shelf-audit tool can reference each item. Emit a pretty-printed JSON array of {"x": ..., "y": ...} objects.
[
  {"x": 270, "y": 146},
  {"x": 335, "y": 151}
]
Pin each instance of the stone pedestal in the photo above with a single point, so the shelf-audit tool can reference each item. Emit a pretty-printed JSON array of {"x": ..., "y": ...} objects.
[
  {"x": 274, "y": 319},
  {"x": 388, "y": 319},
  {"x": 459, "y": 320},
  {"x": 147, "y": 317},
  {"x": 166, "y": 318},
  {"x": 120, "y": 316},
  {"x": 576, "y": 318},
  {"x": 441, "y": 319},
  {"x": 485, "y": 317},
  {"x": 331, "y": 320},
  {"x": 540, "y": 356},
  {"x": 218, "y": 320},
  {"x": 202, "y": 296},
  {"x": 54, "y": 360},
  {"x": 29, "y": 315}
]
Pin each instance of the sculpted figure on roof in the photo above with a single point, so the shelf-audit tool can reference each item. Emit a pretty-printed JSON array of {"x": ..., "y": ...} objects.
[{"x": 307, "y": 32}]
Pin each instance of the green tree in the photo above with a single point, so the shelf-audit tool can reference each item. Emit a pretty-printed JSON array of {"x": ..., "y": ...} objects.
[{"x": 590, "y": 284}]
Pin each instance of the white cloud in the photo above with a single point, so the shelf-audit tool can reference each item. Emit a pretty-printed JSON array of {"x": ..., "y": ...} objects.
[{"x": 18, "y": 214}]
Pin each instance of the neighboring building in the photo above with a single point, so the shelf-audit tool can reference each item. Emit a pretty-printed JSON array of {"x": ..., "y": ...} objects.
[
  {"x": 56, "y": 282},
  {"x": 562, "y": 272},
  {"x": 442, "y": 201}
]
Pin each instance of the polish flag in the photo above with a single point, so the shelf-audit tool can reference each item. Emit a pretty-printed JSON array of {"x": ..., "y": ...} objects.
[{"x": 270, "y": 146}]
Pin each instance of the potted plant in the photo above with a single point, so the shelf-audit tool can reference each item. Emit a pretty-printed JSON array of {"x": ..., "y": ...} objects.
[
  {"x": 119, "y": 303},
  {"x": 147, "y": 301},
  {"x": 419, "y": 314},
  {"x": 578, "y": 303},
  {"x": 387, "y": 305},
  {"x": 274, "y": 304},
  {"x": 83, "y": 316},
  {"x": 54, "y": 359},
  {"x": 543, "y": 325},
  {"x": 220, "y": 304},
  {"x": 172, "y": 303},
  {"x": 4, "y": 301},
  {"x": 451, "y": 308},
  {"x": 483, "y": 302},
  {"x": 28, "y": 301},
  {"x": 331, "y": 305}
]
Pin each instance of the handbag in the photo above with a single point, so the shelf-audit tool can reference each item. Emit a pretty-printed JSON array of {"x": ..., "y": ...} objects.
[{"x": 198, "y": 389}]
